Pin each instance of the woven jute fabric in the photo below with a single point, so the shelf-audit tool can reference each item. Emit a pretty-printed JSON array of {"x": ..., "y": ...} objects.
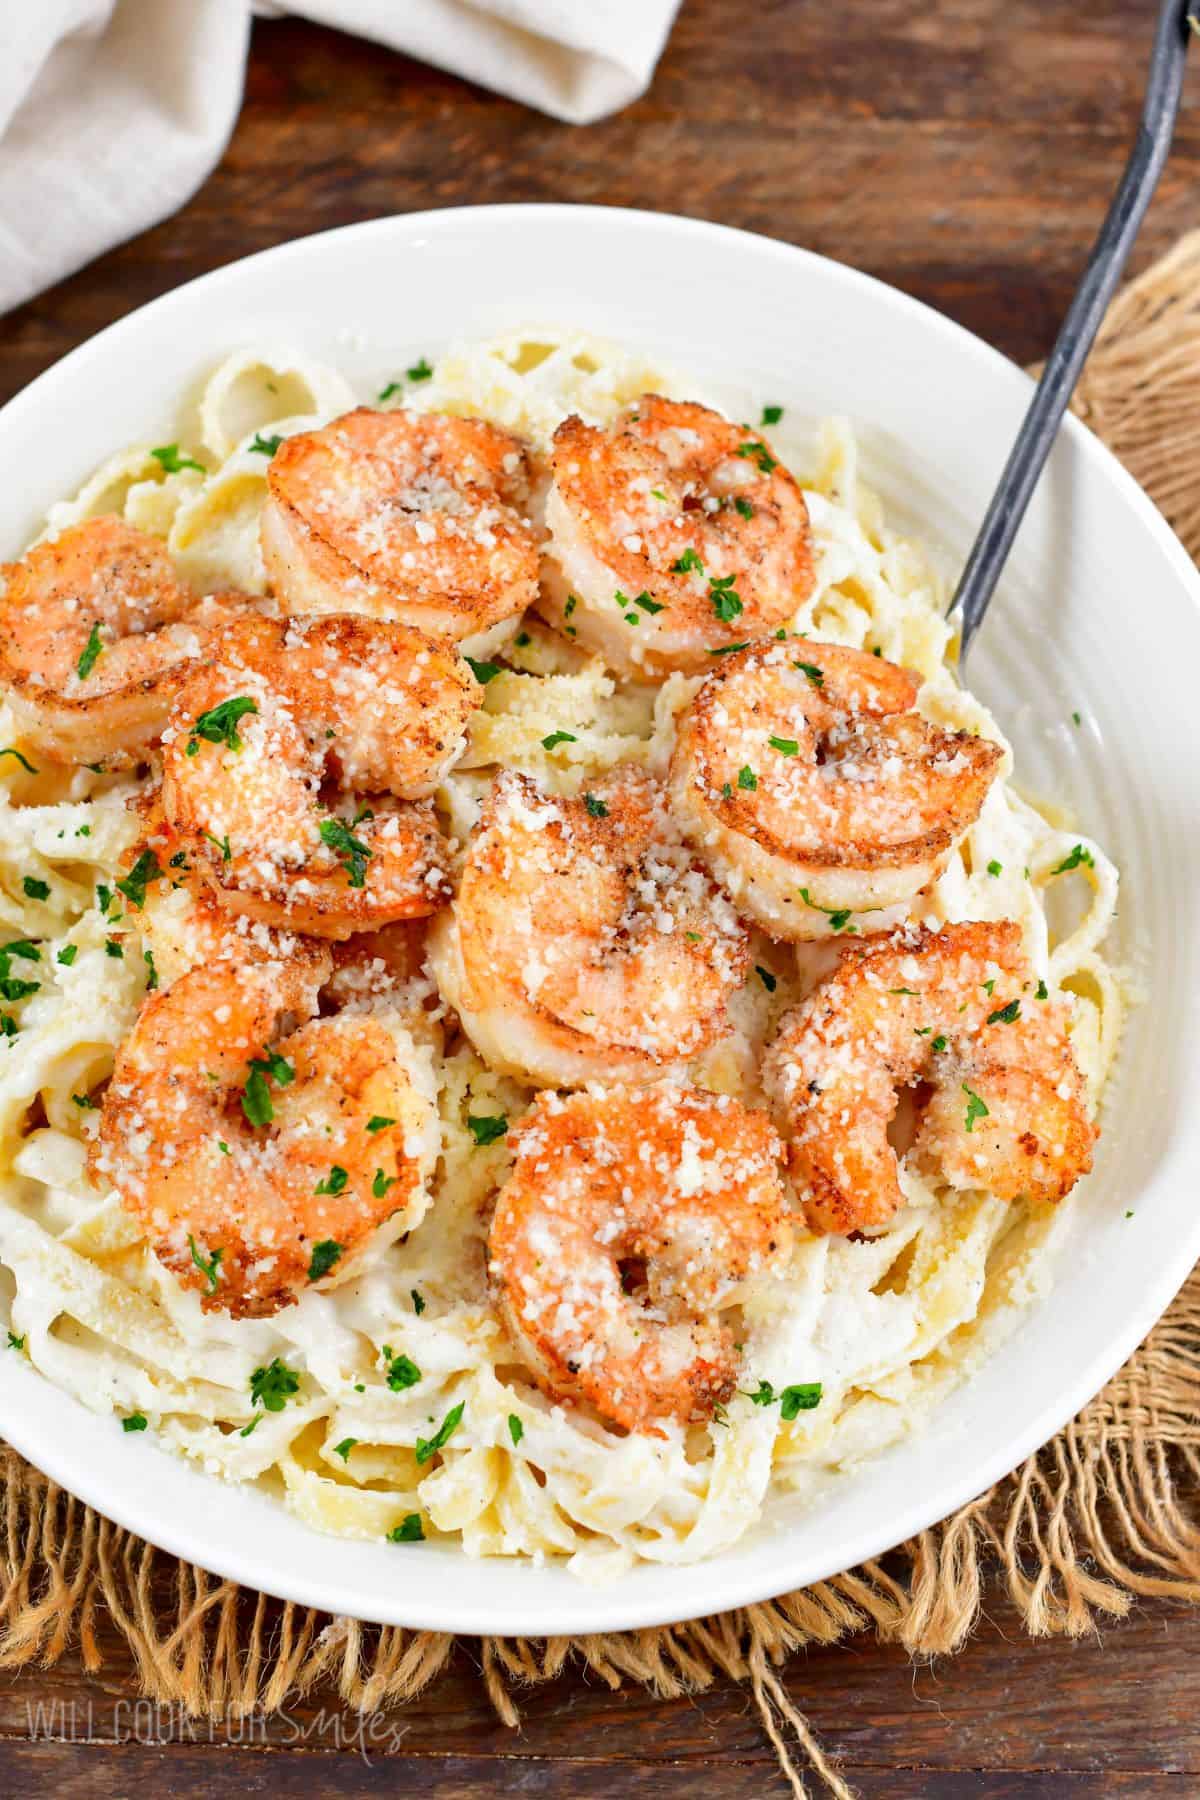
[{"x": 1107, "y": 1511}]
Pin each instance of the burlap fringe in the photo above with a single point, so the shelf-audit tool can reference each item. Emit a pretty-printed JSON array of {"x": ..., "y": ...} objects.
[{"x": 1092, "y": 1521}]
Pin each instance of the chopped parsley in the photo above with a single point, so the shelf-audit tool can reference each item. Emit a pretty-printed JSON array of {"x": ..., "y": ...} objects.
[
  {"x": 726, "y": 601},
  {"x": 769, "y": 981},
  {"x": 15, "y": 1342},
  {"x": 572, "y": 603},
  {"x": 408, "y": 1531},
  {"x": 219, "y": 724},
  {"x": 324, "y": 1256},
  {"x": 522, "y": 640},
  {"x": 688, "y": 563},
  {"x": 221, "y": 844},
  {"x": 23, "y": 760},
  {"x": 558, "y": 737},
  {"x": 351, "y": 851},
  {"x": 382, "y": 1183},
  {"x": 426, "y": 1447},
  {"x": 418, "y": 1300},
  {"x": 759, "y": 455},
  {"x": 377, "y": 1122},
  {"x": 647, "y": 604},
  {"x": 838, "y": 916},
  {"x": 484, "y": 671},
  {"x": 803, "y": 1396},
  {"x": 145, "y": 870},
  {"x": 393, "y": 387},
  {"x": 1078, "y": 856},
  {"x": 420, "y": 371},
  {"x": 785, "y": 746},
  {"x": 344, "y": 1448},
  {"x": 8, "y": 1026},
  {"x": 34, "y": 889},
  {"x": 1005, "y": 1015},
  {"x": 988, "y": 986},
  {"x": 903, "y": 990},
  {"x": 815, "y": 675},
  {"x": 103, "y": 897},
  {"x": 113, "y": 949},
  {"x": 207, "y": 1266},
  {"x": 267, "y": 444},
  {"x": 1043, "y": 992},
  {"x": 994, "y": 867},
  {"x": 89, "y": 653},
  {"x": 595, "y": 807},
  {"x": 727, "y": 649},
  {"x": 486, "y": 1130},
  {"x": 134, "y": 1422},
  {"x": 516, "y": 1430},
  {"x": 334, "y": 1182},
  {"x": 1078, "y": 720},
  {"x": 67, "y": 955},
  {"x": 747, "y": 779},
  {"x": 744, "y": 507},
  {"x": 400, "y": 1371},
  {"x": 170, "y": 462},
  {"x": 151, "y": 971},
  {"x": 975, "y": 1107},
  {"x": 272, "y": 1387},
  {"x": 939, "y": 1043},
  {"x": 84, "y": 1102},
  {"x": 256, "y": 1099},
  {"x": 247, "y": 1429},
  {"x": 771, "y": 415}
]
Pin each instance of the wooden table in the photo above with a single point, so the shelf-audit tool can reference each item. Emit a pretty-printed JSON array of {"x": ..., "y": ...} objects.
[{"x": 964, "y": 151}]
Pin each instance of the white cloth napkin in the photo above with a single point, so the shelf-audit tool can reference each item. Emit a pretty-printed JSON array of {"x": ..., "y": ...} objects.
[{"x": 112, "y": 112}]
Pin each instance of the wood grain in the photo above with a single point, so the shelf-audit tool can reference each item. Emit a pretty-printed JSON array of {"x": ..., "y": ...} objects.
[{"x": 964, "y": 151}]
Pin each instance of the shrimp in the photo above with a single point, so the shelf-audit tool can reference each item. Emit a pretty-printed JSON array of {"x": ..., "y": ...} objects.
[
  {"x": 956, "y": 1013},
  {"x": 266, "y": 1150},
  {"x": 813, "y": 790},
  {"x": 631, "y": 1219},
  {"x": 584, "y": 941},
  {"x": 96, "y": 634},
  {"x": 281, "y": 711},
  {"x": 399, "y": 515},
  {"x": 671, "y": 535}
]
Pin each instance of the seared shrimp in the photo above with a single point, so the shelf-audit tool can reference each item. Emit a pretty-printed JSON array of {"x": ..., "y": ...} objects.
[
  {"x": 281, "y": 710},
  {"x": 410, "y": 516},
  {"x": 955, "y": 1013},
  {"x": 630, "y": 1220},
  {"x": 265, "y": 1156},
  {"x": 674, "y": 534},
  {"x": 813, "y": 790},
  {"x": 584, "y": 941},
  {"x": 96, "y": 633}
]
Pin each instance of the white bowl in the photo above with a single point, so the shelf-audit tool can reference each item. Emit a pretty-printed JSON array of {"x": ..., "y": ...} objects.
[{"x": 1097, "y": 614}]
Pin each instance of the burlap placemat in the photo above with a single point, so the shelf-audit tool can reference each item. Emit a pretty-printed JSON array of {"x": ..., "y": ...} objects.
[{"x": 1105, "y": 1512}]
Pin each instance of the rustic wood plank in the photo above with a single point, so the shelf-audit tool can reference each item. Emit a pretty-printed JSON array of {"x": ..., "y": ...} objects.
[{"x": 966, "y": 153}]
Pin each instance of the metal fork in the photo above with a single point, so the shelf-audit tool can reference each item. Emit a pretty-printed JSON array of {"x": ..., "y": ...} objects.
[{"x": 1178, "y": 22}]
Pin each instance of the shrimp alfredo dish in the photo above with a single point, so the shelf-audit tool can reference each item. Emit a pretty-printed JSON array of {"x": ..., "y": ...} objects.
[{"x": 529, "y": 1009}]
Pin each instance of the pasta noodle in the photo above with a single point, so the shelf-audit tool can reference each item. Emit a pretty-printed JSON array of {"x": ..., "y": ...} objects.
[{"x": 887, "y": 1324}]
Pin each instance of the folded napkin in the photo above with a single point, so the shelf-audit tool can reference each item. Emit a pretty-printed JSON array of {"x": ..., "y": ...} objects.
[{"x": 112, "y": 112}]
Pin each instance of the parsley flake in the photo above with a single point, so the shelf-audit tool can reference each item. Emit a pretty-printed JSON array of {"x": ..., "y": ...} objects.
[
  {"x": 838, "y": 916},
  {"x": 815, "y": 675},
  {"x": 89, "y": 653},
  {"x": 145, "y": 870},
  {"x": 516, "y": 1430},
  {"x": 324, "y": 1256},
  {"x": 771, "y": 415},
  {"x": 377, "y": 1122},
  {"x": 170, "y": 462},
  {"x": 208, "y": 1267},
  {"x": 266, "y": 444},
  {"x": 113, "y": 949},
  {"x": 759, "y": 455},
  {"x": 34, "y": 889},
  {"x": 334, "y": 1182},
  {"x": 426, "y": 1447},
  {"x": 1043, "y": 992},
  {"x": 688, "y": 562},
  {"x": 344, "y": 1448},
  {"x": 726, "y": 601},
  {"x": 272, "y": 1387},
  {"x": 486, "y": 1130},
  {"x": 484, "y": 671},
  {"x": 558, "y": 737},
  {"x": 400, "y": 1371},
  {"x": 134, "y": 1422},
  {"x": 420, "y": 371},
  {"x": 151, "y": 971},
  {"x": 351, "y": 851},
  {"x": 747, "y": 779},
  {"x": 647, "y": 604},
  {"x": 1079, "y": 856},
  {"x": 382, "y": 1183},
  {"x": 1005, "y": 1015},
  {"x": 256, "y": 1098},
  {"x": 727, "y": 649},
  {"x": 15, "y": 1342},
  {"x": 975, "y": 1107},
  {"x": 744, "y": 507},
  {"x": 67, "y": 955},
  {"x": 219, "y": 724},
  {"x": 409, "y": 1531},
  {"x": 802, "y": 1397},
  {"x": 596, "y": 808},
  {"x": 785, "y": 746}
]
